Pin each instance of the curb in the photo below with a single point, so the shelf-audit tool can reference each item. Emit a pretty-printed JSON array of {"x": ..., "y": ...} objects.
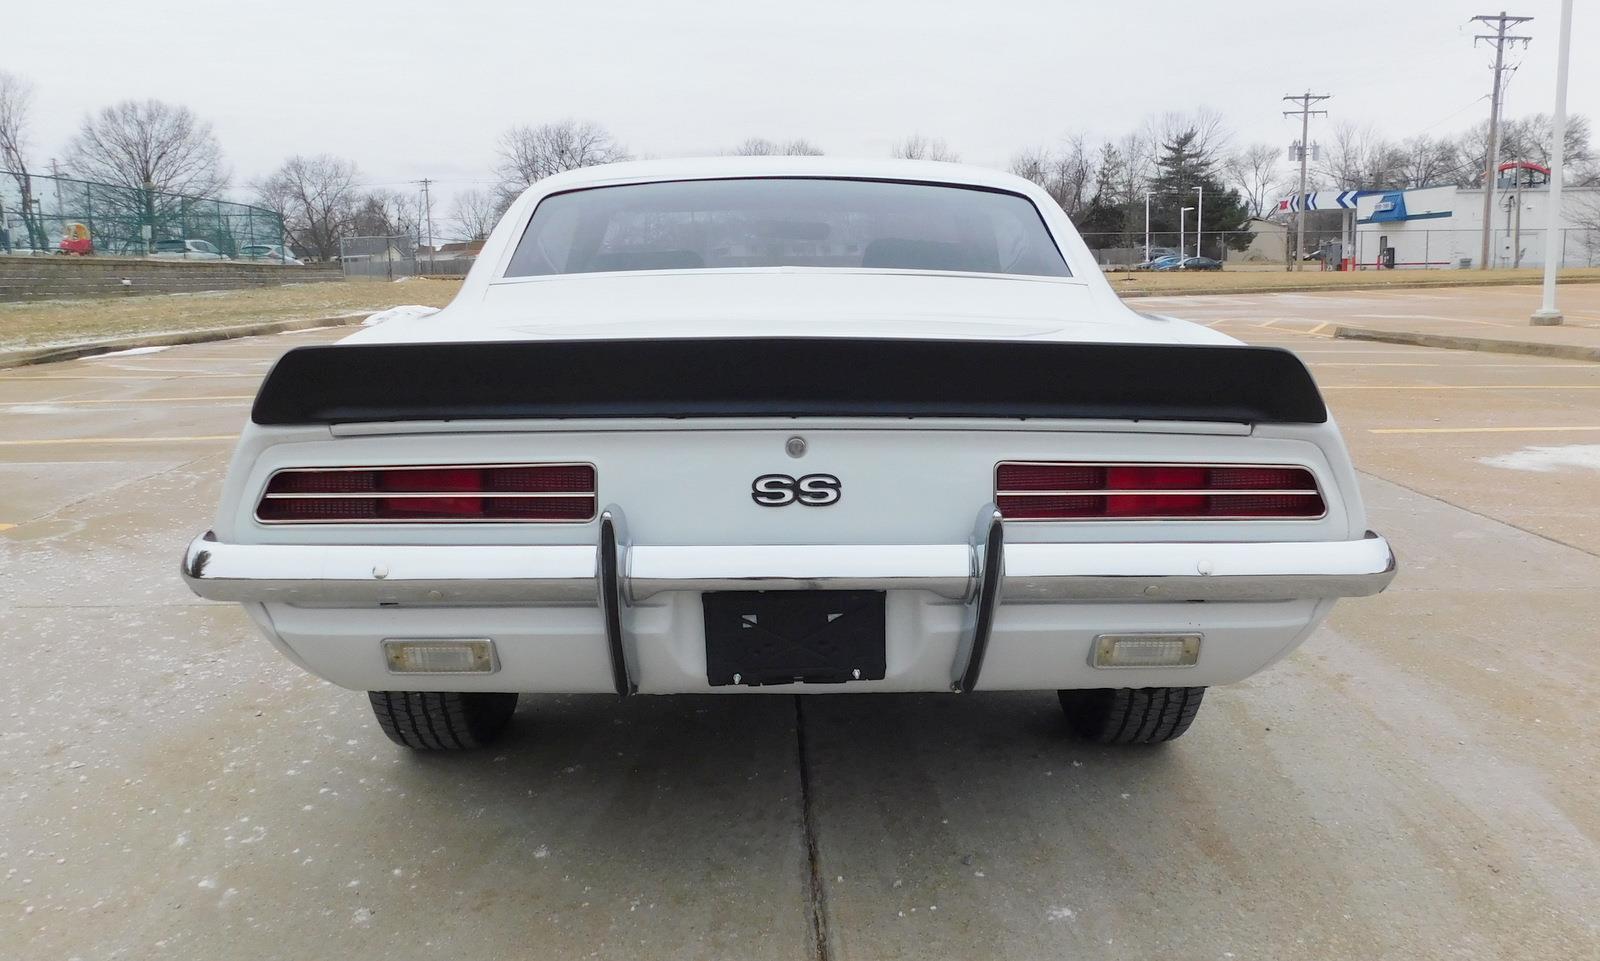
[
  {"x": 1338, "y": 288},
  {"x": 1453, "y": 342},
  {"x": 52, "y": 355}
]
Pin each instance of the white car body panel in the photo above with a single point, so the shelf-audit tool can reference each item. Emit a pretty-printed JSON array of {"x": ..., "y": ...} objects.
[{"x": 909, "y": 483}]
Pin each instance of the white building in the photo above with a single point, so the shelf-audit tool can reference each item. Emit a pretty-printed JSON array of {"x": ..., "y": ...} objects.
[{"x": 1442, "y": 227}]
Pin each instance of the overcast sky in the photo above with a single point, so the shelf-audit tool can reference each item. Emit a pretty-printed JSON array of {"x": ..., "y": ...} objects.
[{"x": 423, "y": 89}]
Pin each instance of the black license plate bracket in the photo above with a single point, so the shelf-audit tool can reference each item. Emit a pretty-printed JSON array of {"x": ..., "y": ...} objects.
[{"x": 754, "y": 638}]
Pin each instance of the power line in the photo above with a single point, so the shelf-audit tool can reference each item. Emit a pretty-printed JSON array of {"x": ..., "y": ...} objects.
[
  {"x": 1305, "y": 113},
  {"x": 1501, "y": 23}
]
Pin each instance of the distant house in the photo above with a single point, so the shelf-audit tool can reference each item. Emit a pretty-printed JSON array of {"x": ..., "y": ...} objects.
[
  {"x": 1266, "y": 246},
  {"x": 465, "y": 250}
]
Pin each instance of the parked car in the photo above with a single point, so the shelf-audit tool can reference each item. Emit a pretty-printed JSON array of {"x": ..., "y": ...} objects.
[
  {"x": 1169, "y": 262},
  {"x": 186, "y": 250},
  {"x": 1201, "y": 263},
  {"x": 1155, "y": 254},
  {"x": 274, "y": 253},
  {"x": 909, "y": 441}
]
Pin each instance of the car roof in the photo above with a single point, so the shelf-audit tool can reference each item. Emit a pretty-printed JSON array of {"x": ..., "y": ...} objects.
[{"x": 711, "y": 168}]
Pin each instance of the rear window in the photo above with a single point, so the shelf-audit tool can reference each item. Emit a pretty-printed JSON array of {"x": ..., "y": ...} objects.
[
  {"x": 171, "y": 245},
  {"x": 693, "y": 224}
]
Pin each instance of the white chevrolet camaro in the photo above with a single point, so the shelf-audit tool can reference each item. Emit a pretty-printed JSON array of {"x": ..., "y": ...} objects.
[{"x": 782, "y": 425}]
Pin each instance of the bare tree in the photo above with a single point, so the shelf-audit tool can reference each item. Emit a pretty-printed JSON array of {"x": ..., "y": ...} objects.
[
  {"x": 762, "y": 147},
  {"x": 387, "y": 213},
  {"x": 1255, "y": 173},
  {"x": 528, "y": 154},
  {"x": 1067, "y": 174},
  {"x": 1425, "y": 162},
  {"x": 16, "y": 106},
  {"x": 474, "y": 214},
  {"x": 918, "y": 147},
  {"x": 1530, "y": 138},
  {"x": 317, "y": 197},
  {"x": 139, "y": 143},
  {"x": 1357, "y": 158},
  {"x": 1138, "y": 165}
]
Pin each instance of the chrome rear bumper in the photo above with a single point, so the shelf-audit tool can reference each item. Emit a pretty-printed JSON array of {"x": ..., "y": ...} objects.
[
  {"x": 615, "y": 573},
  {"x": 407, "y": 575}
]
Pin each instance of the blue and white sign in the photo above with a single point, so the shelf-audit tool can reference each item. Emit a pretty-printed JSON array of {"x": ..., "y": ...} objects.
[{"x": 1322, "y": 200}]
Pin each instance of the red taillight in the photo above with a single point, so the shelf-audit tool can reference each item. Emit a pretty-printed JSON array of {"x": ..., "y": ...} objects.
[
  {"x": 1033, "y": 491},
  {"x": 518, "y": 493}
]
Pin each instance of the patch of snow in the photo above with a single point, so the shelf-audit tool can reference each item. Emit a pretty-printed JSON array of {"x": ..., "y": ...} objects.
[
  {"x": 1060, "y": 914},
  {"x": 399, "y": 313},
  {"x": 1546, "y": 459},
  {"x": 131, "y": 351}
]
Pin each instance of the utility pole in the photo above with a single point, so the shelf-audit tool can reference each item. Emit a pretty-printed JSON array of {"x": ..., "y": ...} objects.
[
  {"x": 427, "y": 206},
  {"x": 1555, "y": 248},
  {"x": 1305, "y": 113},
  {"x": 1501, "y": 23},
  {"x": 55, "y": 172}
]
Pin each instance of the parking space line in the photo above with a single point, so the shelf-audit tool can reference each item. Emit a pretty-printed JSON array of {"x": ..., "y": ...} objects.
[
  {"x": 6, "y": 527},
  {"x": 1461, "y": 386},
  {"x": 1456, "y": 366},
  {"x": 42, "y": 442},
  {"x": 1474, "y": 430},
  {"x": 131, "y": 400},
  {"x": 15, "y": 377}
]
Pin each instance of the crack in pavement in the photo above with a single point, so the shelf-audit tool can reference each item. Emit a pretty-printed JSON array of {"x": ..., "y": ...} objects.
[
  {"x": 816, "y": 890},
  {"x": 1477, "y": 513}
]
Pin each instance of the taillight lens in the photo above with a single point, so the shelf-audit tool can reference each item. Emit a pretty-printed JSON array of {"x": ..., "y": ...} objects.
[
  {"x": 1034, "y": 491},
  {"x": 512, "y": 493}
]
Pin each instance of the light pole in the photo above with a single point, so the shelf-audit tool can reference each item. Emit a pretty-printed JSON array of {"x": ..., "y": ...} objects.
[
  {"x": 1548, "y": 315},
  {"x": 1147, "y": 226},
  {"x": 1181, "y": 215},
  {"x": 1199, "y": 220}
]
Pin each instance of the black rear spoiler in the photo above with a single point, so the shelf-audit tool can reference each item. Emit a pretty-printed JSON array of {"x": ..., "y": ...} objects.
[{"x": 787, "y": 377}]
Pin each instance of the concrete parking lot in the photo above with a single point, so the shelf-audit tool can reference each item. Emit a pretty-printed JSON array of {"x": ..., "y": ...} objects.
[{"x": 1418, "y": 781}]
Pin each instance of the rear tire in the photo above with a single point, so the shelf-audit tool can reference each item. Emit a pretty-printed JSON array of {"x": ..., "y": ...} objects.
[
  {"x": 1129, "y": 715},
  {"x": 442, "y": 720}
]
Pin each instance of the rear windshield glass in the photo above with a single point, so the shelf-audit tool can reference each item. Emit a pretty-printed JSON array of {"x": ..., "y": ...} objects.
[{"x": 692, "y": 224}]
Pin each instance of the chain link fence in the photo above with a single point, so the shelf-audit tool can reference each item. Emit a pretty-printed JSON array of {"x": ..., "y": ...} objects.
[
  {"x": 380, "y": 257},
  {"x": 42, "y": 215}
]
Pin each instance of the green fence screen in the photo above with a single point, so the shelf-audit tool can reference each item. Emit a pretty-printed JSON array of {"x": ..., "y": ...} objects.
[{"x": 43, "y": 214}]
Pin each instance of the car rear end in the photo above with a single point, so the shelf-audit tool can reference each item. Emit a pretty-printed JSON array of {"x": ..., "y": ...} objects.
[
  {"x": 521, "y": 525},
  {"x": 787, "y": 425}
]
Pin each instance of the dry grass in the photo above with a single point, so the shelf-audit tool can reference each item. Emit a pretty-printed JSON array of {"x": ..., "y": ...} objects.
[
  {"x": 59, "y": 322},
  {"x": 62, "y": 322},
  {"x": 1172, "y": 282}
]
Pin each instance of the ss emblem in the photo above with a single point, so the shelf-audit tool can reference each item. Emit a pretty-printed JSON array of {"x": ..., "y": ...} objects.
[{"x": 780, "y": 490}]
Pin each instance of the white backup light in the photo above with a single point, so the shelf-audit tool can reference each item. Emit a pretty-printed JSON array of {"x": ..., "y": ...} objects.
[
  {"x": 1146, "y": 650},
  {"x": 440, "y": 656}
]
